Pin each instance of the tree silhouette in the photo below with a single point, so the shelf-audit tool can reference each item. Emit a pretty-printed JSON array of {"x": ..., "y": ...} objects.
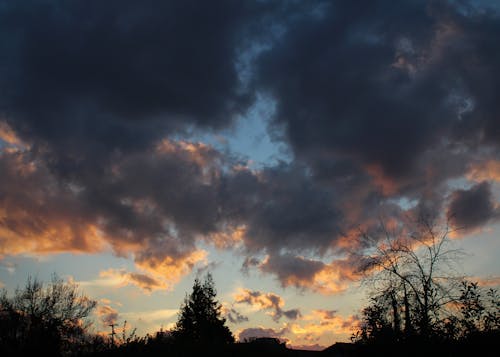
[
  {"x": 43, "y": 317},
  {"x": 200, "y": 318},
  {"x": 410, "y": 270},
  {"x": 419, "y": 303},
  {"x": 478, "y": 311}
]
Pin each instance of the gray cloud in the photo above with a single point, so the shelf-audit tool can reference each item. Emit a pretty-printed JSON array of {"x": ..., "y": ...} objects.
[
  {"x": 292, "y": 270},
  {"x": 107, "y": 314},
  {"x": 256, "y": 332},
  {"x": 267, "y": 301},
  {"x": 121, "y": 72},
  {"x": 292, "y": 314},
  {"x": 235, "y": 316},
  {"x": 383, "y": 85},
  {"x": 283, "y": 210},
  {"x": 474, "y": 207}
]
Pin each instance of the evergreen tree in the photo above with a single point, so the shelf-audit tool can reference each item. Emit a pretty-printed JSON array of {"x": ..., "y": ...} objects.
[{"x": 200, "y": 318}]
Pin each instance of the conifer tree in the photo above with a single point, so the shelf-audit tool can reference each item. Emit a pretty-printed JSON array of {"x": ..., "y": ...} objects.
[{"x": 200, "y": 319}]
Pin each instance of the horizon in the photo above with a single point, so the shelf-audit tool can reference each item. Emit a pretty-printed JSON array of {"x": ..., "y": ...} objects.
[{"x": 142, "y": 145}]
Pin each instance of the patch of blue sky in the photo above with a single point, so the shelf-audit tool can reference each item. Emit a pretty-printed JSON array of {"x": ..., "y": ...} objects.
[
  {"x": 226, "y": 268},
  {"x": 14, "y": 270},
  {"x": 249, "y": 139},
  {"x": 251, "y": 135},
  {"x": 486, "y": 4},
  {"x": 405, "y": 203}
]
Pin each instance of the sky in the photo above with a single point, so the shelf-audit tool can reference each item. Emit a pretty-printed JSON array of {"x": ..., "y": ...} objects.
[{"x": 143, "y": 144}]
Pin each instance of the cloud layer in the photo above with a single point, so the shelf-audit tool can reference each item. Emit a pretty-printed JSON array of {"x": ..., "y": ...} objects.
[{"x": 383, "y": 108}]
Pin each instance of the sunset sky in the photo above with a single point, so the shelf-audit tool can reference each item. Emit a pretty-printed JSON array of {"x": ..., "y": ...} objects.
[{"x": 144, "y": 143}]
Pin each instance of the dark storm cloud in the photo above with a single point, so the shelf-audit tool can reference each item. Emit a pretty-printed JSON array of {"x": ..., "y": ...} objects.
[
  {"x": 292, "y": 268},
  {"x": 474, "y": 207},
  {"x": 85, "y": 75},
  {"x": 380, "y": 85},
  {"x": 282, "y": 201},
  {"x": 384, "y": 103}
]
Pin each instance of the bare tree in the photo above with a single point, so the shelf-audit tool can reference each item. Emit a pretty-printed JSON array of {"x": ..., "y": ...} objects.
[{"x": 412, "y": 265}]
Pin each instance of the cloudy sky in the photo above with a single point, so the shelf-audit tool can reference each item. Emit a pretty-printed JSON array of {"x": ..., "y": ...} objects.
[{"x": 145, "y": 143}]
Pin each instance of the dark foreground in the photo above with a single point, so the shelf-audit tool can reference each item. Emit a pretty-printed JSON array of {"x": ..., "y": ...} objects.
[{"x": 416, "y": 348}]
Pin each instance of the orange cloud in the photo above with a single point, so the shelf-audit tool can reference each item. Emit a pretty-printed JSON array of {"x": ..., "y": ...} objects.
[
  {"x": 266, "y": 301},
  {"x": 493, "y": 281},
  {"x": 61, "y": 237},
  {"x": 121, "y": 278},
  {"x": 314, "y": 331},
  {"x": 157, "y": 273},
  {"x": 262, "y": 300},
  {"x": 202, "y": 155},
  {"x": 334, "y": 278},
  {"x": 301, "y": 272},
  {"x": 321, "y": 315},
  {"x": 169, "y": 269},
  {"x": 39, "y": 215},
  {"x": 8, "y": 135},
  {"x": 228, "y": 238},
  {"x": 381, "y": 180},
  {"x": 321, "y": 330},
  {"x": 329, "y": 320},
  {"x": 107, "y": 315},
  {"x": 485, "y": 171}
]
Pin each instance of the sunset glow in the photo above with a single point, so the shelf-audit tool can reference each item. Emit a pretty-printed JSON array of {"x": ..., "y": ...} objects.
[{"x": 143, "y": 145}]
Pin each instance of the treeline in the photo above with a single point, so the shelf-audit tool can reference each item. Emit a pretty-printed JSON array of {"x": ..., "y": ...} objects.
[
  {"x": 468, "y": 325},
  {"x": 53, "y": 319}
]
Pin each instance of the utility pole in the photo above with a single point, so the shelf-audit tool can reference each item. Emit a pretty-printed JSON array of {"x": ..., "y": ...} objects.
[{"x": 112, "y": 334}]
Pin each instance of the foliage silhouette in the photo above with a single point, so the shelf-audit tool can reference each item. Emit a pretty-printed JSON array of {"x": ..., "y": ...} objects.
[
  {"x": 200, "y": 319},
  {"x": 412, "y": 276},
  {"x": 40, "y": 317},
  {"x": 419, "y": 304}
]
